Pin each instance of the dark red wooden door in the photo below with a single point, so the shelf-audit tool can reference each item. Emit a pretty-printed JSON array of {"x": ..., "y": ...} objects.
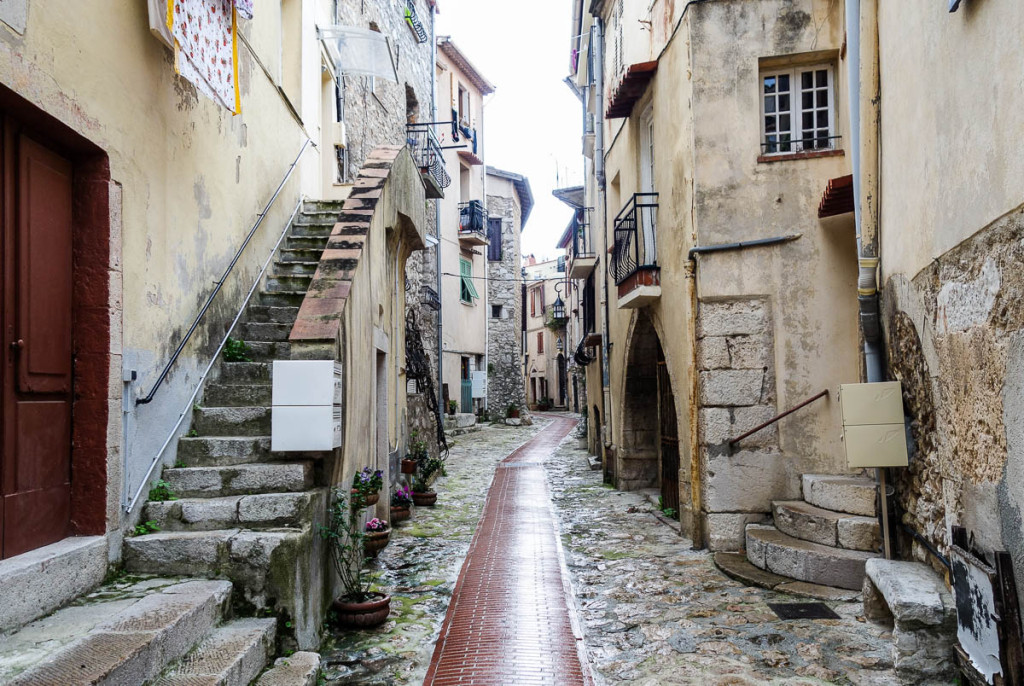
[
  {"x": 35, "y": 462},
  {"x": 669, "y": 437}
]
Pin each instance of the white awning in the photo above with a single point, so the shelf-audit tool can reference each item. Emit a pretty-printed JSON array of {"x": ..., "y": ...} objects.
[{"x": 359, "y": 52}]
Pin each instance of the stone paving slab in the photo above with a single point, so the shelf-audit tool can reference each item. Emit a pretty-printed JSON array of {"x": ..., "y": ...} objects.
[{"x": 656, "y": 612}]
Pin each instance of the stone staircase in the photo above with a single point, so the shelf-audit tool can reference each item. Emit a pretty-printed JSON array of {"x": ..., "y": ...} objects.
[
  {"x": 815, "y": 545},
  {"x": 242, "y": 512},
  {"x": 166, "y": 632}
]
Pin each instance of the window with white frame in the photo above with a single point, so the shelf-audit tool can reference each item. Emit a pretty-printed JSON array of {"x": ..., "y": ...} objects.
[
  {"x": 798, "y": 110},
  {"x": 618, "y": 63}
]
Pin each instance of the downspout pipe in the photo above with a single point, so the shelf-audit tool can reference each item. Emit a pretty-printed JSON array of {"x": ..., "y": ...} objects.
[
  {"x": 597, "y": 45},
  {"x": 437, "y": 218}
]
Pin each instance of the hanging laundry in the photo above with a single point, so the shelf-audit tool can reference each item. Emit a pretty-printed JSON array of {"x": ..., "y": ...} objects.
[
  {"x": 205, "y": 48},
  {"x": 244, "y": 8}
]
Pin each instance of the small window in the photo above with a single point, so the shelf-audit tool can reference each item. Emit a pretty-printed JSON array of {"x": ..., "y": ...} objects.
[
  {"x": 540, "y": 342},
  {"x": 496, "y": 312},
  {"x": 798, "y": 110},
  {"x": 467, "y": 291},
  {"x": 561, "y": 264},
  {"x": 494, "y": 239}
]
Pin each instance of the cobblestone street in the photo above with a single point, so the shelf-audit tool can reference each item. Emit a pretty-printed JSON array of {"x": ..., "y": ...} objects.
[{"x": 652, "y": 610}]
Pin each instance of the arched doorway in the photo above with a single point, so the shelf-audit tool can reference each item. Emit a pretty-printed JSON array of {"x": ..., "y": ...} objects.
[{"x": 650, "y": 438}]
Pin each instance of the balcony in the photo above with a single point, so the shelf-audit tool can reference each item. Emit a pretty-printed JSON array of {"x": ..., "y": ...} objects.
[
  {"x": 428, "y": 156},
  {"x": 582, "y": 258},
  {"x": 634, "y": 256},
  {"x": 472, "y": 223}
]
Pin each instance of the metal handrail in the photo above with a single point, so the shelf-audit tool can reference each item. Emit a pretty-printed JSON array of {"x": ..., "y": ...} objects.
[
  {"x": 189, "y": 405},
  {"x": 796, "y": 145},
  {"x": 580, "y": 238},
  {"x": 630, "y": 253},
  {"x": 776, "y": 418},
  {"x": 202, "y": 313}
]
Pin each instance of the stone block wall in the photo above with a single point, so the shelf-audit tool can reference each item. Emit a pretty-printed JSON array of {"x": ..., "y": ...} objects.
[
  {"x": 735, "y": 360},
  {"x": 504, "y": 337}
]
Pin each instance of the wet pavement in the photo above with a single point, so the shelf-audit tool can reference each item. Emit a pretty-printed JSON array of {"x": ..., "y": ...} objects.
[
  {"x": 651, "y": 610},
  {"x": 509, "y": 618},
  {"x": 420, "y": 566}
]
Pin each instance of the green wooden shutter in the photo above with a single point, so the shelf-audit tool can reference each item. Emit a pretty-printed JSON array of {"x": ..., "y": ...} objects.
[{"x": 468, "y": 289}]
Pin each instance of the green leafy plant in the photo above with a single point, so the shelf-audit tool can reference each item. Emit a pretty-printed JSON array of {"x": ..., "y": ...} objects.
[
  {"x": 236, "y": 351},
  {"x": 367, "y": 482},
  {"x": 144, "y": 528},
  {"x": 669, "y": 512},
  {"x": 344, "y": 536},
  {"x": 545, "y": 404},
  {"x": 511, "y": 411},
  {"x": 417, "y": 447},
  {"x": 192, "y": 433},
  {"x": 428, "y": 471},
  {"x": 453, "y": 406},
  {"x": 161, "y": 492}
]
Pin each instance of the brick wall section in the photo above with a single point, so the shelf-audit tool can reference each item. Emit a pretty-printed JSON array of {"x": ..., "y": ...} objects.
[{"x": 324, "y": 305}]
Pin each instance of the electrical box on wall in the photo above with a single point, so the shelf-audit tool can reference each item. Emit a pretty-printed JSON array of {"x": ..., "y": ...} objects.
[
  {"x": 873, "y": 430},
  {"x": 479, "y": 381},
  {"x": 306, "y": 412}
]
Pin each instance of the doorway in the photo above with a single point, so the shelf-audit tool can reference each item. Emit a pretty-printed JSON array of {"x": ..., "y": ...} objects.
[{"x": 668, "y": 437}]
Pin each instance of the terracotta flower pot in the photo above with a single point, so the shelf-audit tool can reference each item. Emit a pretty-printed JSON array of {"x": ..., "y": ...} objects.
[
  {"x": 424, "y": 499},
  {"x": 363, "y": 615},
  {"x": 375, "y": 542},
  {"x": 408, "y": 466},
  {"x": 400, "y": 513},
  {"x": 359, "y": 501},
  {"x": 513, "y": 414}
]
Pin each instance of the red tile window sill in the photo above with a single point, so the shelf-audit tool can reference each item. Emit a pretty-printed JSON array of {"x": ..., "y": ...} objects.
[{"x": 813, "y": 154}]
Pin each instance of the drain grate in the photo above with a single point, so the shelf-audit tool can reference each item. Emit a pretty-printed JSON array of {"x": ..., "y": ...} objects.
[{"x": 803, "y": 611}]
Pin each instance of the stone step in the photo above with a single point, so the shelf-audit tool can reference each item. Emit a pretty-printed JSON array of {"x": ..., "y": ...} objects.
[
  {"x": 273, "y": 570},
  {"x": 320, "y": 225},
  {"x": 300, "y": 255},
  {"x": 232, "y": 421},
  {"x": 298, "y": 669},
  {"x": 271, "y": 332},
  {"x": 770, "y": 549},
  {"x": 318, "y": 206},
  {"x": 296, "y": 268},
  {"x": 127, "y": 636},
  {"x": 264, "y": 511},
  {"x": 243, "y": 479},
  {"x": 237, "y": 395},
  {"x": 233, "y": 655},
  {"x": 802, "y": 520},
  {"x": 282, "y": 298},
  {"x": 840, "y": 493},
  {"x": 271, "y": 313},
  {"x": 289, "y": 282},
  {"x": 245, "y": 373},
  {"x": 223, "y": 451},
  {"x": 268, "y": 351},
  {"x": 737, "y": 566},
  {"x": 306, "y": 243}
]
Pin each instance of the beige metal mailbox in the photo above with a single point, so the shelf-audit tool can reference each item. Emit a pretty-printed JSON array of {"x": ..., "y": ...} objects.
[{"x": 873, "y": 430}]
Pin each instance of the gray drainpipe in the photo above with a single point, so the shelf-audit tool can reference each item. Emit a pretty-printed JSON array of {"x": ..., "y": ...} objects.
[
  {"x": 599, "y": 173},
  {"x": 437, "y": 217}
]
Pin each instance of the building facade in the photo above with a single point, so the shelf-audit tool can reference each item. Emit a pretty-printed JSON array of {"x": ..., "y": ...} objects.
[
  {"x": 545, "y": 344},
  {"x": 509, "y": 203}
]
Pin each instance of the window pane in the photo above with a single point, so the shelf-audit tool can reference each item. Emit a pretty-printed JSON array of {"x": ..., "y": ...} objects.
[
  {"x": 808, "y": 120},
  {"x": 823, "y": 119},
  {"x": 783, "y": 103},
  {"x": 807, "y": 100},
  {"x": 769, "y": 105},
  {"x": 769, "y": 124},
  {"x": 822, "y": 78},
  {"x": 784, "y": 83},
  {"x": 769, "y": 84},
  {"x": 807, "y": 80},
  {"x": 784, "y": 122}
]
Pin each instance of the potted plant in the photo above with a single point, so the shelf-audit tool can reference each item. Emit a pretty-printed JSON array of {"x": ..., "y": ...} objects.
[
  {"x": 378, "y": 533},
  {"x": 417, "y": 453},
  {"x": 401, "y": 502},
  {"x": 512, "y": 412},
  {"x": 366, "y": 486},
  {"x": 422, "y": 493},
  {"x": 453, "y": 407},
  {"x": 358, "y": 607}
]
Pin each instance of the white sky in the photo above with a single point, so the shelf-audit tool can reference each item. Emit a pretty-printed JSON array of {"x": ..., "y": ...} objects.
[{"x": 533, "y": 120}]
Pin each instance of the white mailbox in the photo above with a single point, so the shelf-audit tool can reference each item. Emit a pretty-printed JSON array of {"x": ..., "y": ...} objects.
[
  {"x": 873, "y": 430},
  {"x": 479, "y": 382},
  {"x": 306, "y": 413}
]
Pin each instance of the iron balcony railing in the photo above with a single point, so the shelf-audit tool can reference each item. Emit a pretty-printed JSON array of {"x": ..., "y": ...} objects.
[
  {"x": 427, "y": 153},
  {"x": 581, "y": 246},
  {"x": 781, "y": 144},
  {"x": 472, "y": 218},
  {"x": 429, "y": 297},
  {"x": 412, "y": 18},
  {"x": 634, "y": 247}
]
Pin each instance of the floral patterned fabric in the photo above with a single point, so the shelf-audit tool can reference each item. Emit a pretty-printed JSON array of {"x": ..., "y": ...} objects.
[
  {"x": 244, "y": 8},
  {"x": 205, "y": 51}
]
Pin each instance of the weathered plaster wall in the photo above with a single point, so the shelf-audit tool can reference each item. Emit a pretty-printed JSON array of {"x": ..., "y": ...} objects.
[
  {"x": 504, "y": 340},
  {"x": 954, "y": 335}
]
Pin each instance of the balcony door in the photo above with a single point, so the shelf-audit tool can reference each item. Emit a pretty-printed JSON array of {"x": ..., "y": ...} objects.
[{"x": 646, "y": 214}]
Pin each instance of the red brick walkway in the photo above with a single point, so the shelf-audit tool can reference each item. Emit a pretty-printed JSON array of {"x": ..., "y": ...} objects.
[{"x": 509, "y": 621}]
